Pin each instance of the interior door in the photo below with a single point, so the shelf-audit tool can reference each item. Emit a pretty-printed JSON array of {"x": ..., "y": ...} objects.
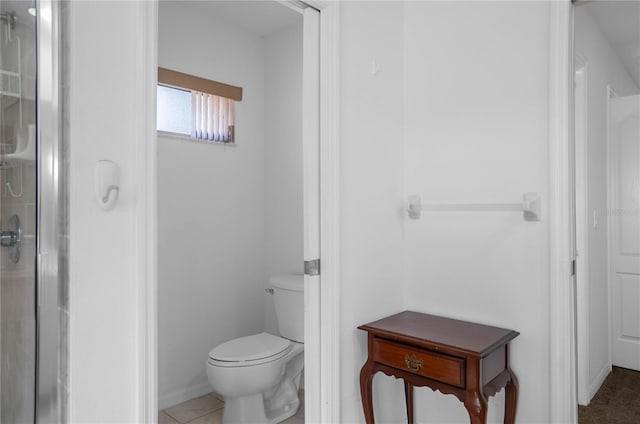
[
  {"x": 625, "y": 231},
  {"x": 311, "y": 199}
]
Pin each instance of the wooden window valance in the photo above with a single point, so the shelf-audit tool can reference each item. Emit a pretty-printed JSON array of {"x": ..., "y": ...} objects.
[{"x": 190, "y": 82}]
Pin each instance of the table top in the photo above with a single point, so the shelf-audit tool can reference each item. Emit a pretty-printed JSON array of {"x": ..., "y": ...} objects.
[{"x": 441, "y": 333}]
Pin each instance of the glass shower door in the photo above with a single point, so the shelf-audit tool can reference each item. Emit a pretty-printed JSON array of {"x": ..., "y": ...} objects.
[{"x": 17, "y": 212}]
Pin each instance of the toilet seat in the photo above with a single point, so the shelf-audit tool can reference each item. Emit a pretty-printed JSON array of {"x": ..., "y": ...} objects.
[{"x": 249, "y": 351}]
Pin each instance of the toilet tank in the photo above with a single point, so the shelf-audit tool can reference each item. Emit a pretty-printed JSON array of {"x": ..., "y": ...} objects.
[{"x": 288, "y": 296}]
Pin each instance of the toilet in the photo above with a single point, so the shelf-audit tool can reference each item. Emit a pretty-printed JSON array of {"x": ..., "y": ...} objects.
[{"x": 259, "y": 375}]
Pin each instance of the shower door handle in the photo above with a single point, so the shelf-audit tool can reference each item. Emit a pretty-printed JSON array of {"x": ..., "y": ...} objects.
[
  {"x": 12, "y": 238},
  {"x": 8, "y": 238}
]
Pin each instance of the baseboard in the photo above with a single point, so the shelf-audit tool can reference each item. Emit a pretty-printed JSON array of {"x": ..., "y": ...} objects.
[
  {"x": 178, "y": 396},
  {"x": 597, "y": 382}
]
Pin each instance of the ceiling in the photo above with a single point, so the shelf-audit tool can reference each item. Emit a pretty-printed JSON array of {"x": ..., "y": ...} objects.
[
  {"x": 620, "y": 24},
  {"x": 260, "y": 17}
]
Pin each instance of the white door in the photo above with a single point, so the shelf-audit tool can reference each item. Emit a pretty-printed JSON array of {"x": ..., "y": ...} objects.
[
  {"x": 625, "y": 231},
  {"x": 311, "y": 199}
]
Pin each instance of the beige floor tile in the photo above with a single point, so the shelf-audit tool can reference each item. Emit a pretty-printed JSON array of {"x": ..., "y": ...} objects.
[
  {"x": 163, "y": 418},
  {"x": 212, "y": 418},
  {"x": 194, "y": 408}
]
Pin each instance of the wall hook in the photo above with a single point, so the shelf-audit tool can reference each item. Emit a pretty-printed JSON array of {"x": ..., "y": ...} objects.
[{"x": 106, "y": 184}]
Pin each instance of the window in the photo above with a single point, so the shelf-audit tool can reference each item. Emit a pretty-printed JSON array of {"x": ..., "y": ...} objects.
[
  {"x": 200, "y": 108},
  {"x": 174, "y": 110}
]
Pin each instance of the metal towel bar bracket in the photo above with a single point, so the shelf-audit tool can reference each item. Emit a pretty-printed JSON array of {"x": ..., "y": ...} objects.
[{"x": 530, "y": 206}]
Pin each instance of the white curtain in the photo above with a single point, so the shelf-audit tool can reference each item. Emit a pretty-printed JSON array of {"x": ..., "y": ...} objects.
[{"x": 212, "y": 117}]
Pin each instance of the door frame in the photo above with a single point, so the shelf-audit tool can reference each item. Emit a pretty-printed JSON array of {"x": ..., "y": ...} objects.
[
  {"x": 611, "y": 94},
  {"x": 581, "y": 134},
  {"x": 562, "y": 308},
  {"x": 328, "y": 402}
]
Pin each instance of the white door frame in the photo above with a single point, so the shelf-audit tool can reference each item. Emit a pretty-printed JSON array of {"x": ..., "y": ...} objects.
[
  {"x": 146, "y": 212},
  {"x": 611, "y": 94},
  {"x": 562, "y": 359},
  {"x": 582, "y": 227}
]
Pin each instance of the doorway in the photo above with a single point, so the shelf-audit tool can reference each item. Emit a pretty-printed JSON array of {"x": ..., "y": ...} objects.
[
  {"x": 236, "y": 207},
  {"x": 606, "y": 36}
]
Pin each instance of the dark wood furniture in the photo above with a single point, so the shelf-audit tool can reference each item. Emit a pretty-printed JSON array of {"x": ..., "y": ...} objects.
[{"x": 468, "y": 360}]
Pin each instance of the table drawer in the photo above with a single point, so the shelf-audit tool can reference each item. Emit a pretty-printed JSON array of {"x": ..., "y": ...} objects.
[{"x": 444, "y": 368}]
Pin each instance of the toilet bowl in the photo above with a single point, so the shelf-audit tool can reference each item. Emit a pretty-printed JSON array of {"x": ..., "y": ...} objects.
[{"x": 259, "y": 375}]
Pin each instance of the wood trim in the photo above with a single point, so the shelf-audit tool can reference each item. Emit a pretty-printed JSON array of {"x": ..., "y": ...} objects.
[
  {"x": 611, "y": 94},
  {"x": 311, "y": 209},
  {"x": 180, "y": 80},
  {"x": 562, "y": 384},
  {"x": 146, "y": 214},
  {"x": 582, "y": 226},
  {"x": 330, "y": 331}
]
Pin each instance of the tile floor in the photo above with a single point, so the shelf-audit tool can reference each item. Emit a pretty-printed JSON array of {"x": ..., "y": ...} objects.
[{"x": 208, "y": 409}]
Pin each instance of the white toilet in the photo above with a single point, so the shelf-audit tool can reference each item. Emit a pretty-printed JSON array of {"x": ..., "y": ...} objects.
[{"x": 259, "y": 375}]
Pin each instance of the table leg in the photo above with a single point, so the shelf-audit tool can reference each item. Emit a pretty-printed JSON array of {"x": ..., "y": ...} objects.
[
  {"x": 366, "y": 380},
  {"x": 408, "y": 396},
  {"x": 476, "y": 406},
  {"x": 511, "y": 398}
]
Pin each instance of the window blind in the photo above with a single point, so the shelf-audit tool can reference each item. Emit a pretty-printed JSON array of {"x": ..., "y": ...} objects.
[{"x": 212, "y": 117}]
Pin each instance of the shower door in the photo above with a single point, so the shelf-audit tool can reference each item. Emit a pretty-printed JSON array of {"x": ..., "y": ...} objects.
[{"x": 17, "y": 212}]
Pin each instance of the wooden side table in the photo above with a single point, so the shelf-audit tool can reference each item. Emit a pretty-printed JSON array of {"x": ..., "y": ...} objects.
[{"x": 468, "y": 360}]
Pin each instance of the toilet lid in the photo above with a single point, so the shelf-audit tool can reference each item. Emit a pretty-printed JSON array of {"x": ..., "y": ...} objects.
[{"x": 251, "y": 348}]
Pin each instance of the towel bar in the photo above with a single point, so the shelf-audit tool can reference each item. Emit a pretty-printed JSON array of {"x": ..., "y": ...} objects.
[{"x": 530, "y": 206}]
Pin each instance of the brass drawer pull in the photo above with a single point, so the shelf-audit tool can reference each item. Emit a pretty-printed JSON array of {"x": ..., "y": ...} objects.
[{"x": 413, "y": 363}]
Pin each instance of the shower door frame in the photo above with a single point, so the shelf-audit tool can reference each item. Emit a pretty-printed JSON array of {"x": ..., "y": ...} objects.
[
  {"x": 326, "y": 405},
  {"x": 48, "y": 167}
]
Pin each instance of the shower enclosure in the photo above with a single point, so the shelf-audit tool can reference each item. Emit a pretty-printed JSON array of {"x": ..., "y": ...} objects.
[
  {"x": 17, "y": 214},
  {"x": 33, "y": 309}
]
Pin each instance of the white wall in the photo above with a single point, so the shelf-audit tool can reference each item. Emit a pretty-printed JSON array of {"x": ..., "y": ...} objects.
[
  {"x": 603, "y": 67},
  {"x": 456, "y": 113},
  {"x": 104, "y": 339},
  {"x": 283, "y": 158},
  {"x": 211, "y": 210},
  {"x": 476, "y": 130},
  {"x": 371, "y": 218}
]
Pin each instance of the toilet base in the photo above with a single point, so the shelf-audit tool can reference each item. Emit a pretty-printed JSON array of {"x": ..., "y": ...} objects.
[
  {"x": 244, "y": 410},
  {"x": 284, "y": 403},
  {"x": 251, "y": 409},
  {"x": 268, "y": 406},
  {"x": 285, "y": 412}
]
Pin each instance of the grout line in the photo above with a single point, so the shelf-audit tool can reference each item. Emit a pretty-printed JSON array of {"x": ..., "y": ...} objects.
[
  {"x": 172, "y": 417},
  {"x": 199, "y": 416},
  {"x": 168, "y": 415}
]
